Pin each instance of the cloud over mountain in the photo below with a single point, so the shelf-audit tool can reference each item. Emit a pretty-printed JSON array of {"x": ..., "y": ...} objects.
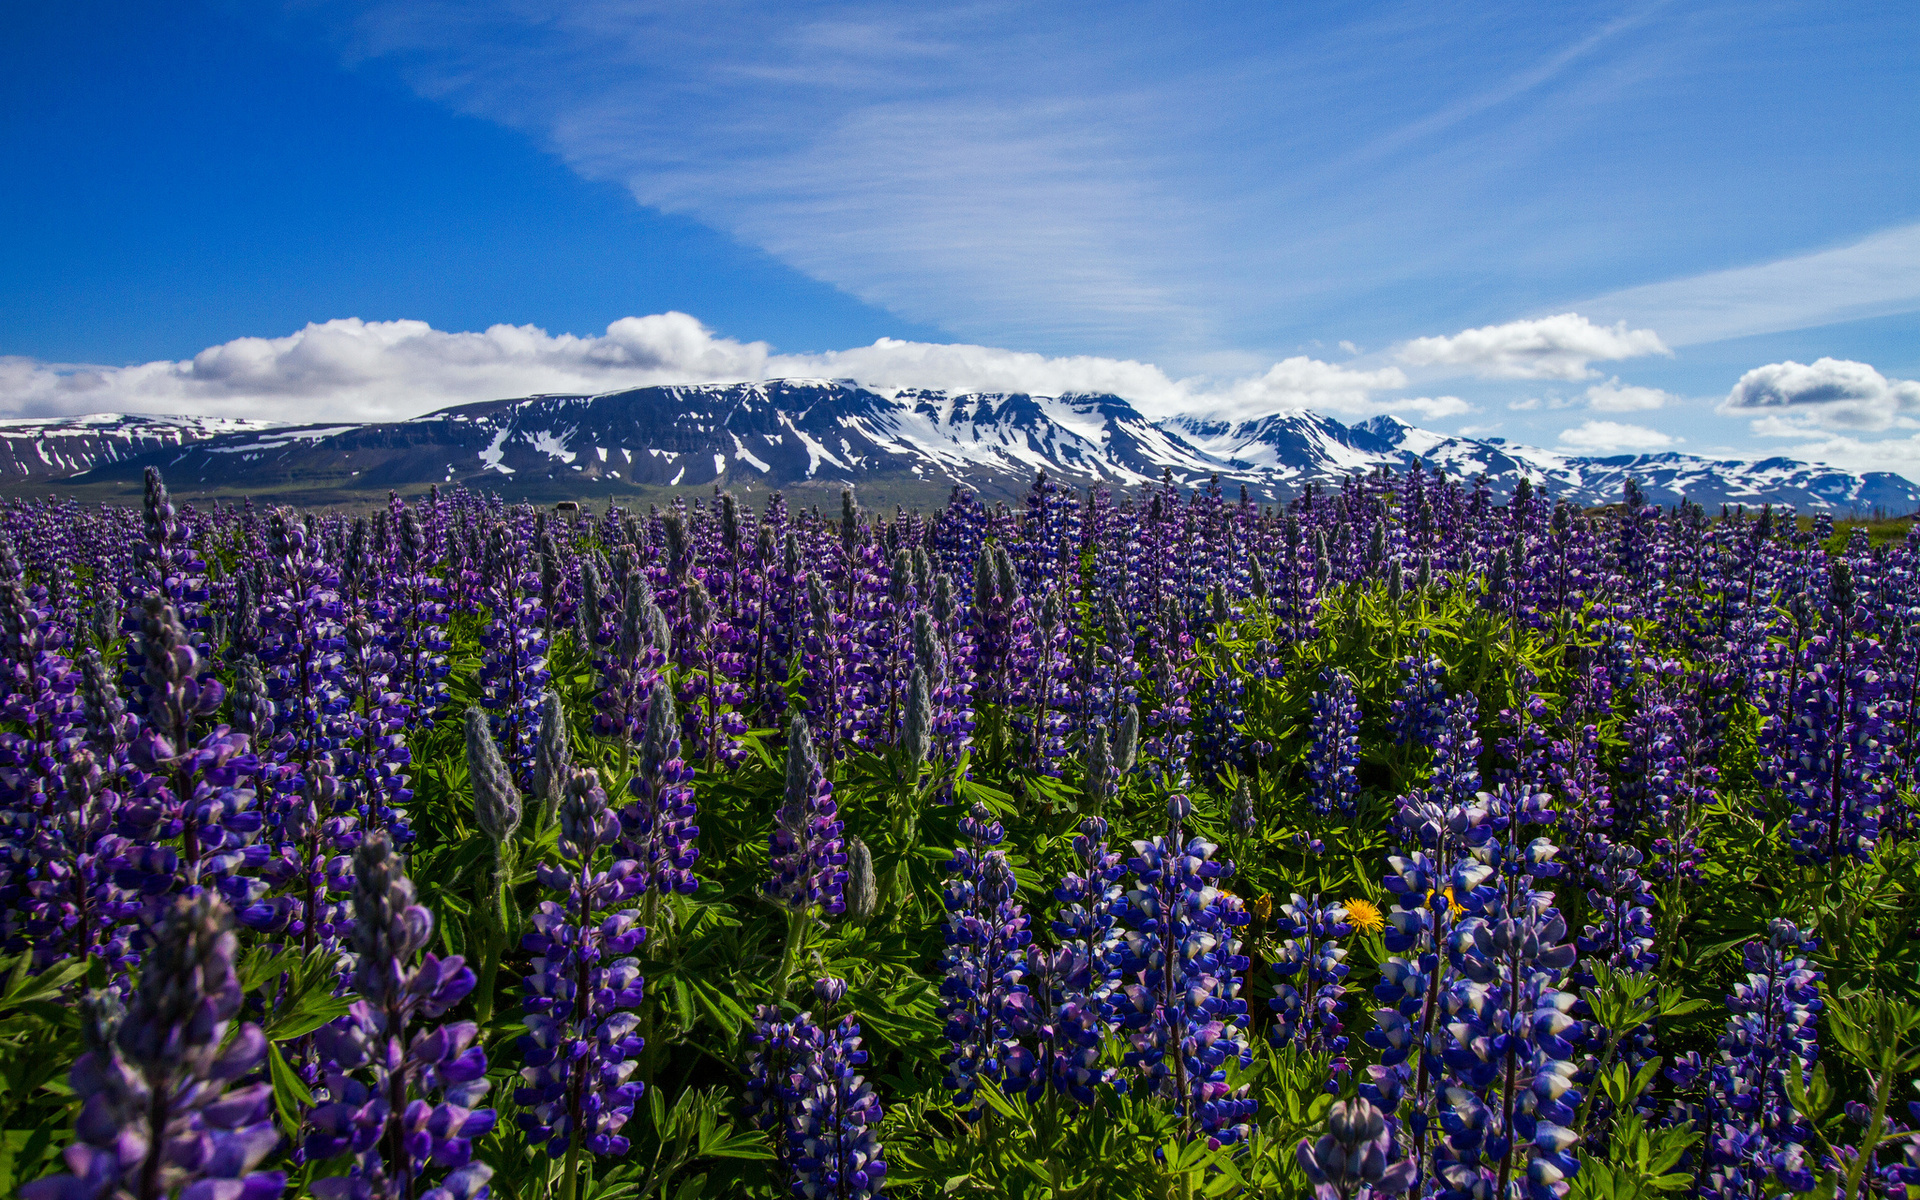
[
  {"x": 355, "y": 370},
  {"x": 1788, "y": 399},
  {"x": 1613, "y": 437},
  {"x": 1556, "y": 347}
]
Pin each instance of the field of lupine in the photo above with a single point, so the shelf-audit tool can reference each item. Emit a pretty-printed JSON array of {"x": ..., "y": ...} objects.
[{"x": 1396, "y": 841}]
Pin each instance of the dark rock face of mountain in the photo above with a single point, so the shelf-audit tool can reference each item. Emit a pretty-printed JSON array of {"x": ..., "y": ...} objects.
[{"x": 819, "y": 434}]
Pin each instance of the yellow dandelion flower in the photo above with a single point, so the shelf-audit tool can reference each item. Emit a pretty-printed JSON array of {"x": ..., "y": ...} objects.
[
  {"x": 1263, "y": 909},
  {"x": 1364, "y": 915}
]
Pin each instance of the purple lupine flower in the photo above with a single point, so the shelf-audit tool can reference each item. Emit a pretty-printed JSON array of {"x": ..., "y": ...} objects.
[
  {"x": 631, "y": 662},
  {"x": 401, "y": 1094},
  {"x": 513, "y": 670},
  {"x": 1333, "y": 783},
  {"x": 1756, "y": 1139},
  {"x": 1419, "y": 707},
  {"x": 1509, "y": 1046},
  {"x": 776, "y": 1073},
  {"x": 1358, "y": 1153},
  {"x": 1311, "y": 962},
  {"x": 581, "y": 1045},
  {"x": 657, "y": 830},
  {"x": 805, "y": 849},
  {"x": 836, "y": 1153},
  {"x": 1181, "y": 962},
  {"x": 159, "y": 1113},
  {"x": 982, "y": 1000},
  {"x": 1834, "y": 737}
]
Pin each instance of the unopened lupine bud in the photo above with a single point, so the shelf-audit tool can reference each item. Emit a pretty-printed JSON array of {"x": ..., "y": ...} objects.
[
  {"x": 729, "y": 523},
  {"x": 699, "y": 606},
  {"x": 1006, "y": 577},
  {"x": 1242, "y": 815},
  {"x": 849, "y": 521},
  {"x": 829, "y": 991},
  {"x": 586, "y": 614},
  {"x": 926, "y": 644},
  {"x": 900, "y": 578},
  {"x": 818, "y": 606},
  {"x": 916, "y": 737},
  {"x": 674, "y": 526},
  {"x": 388, "y": 927},
  {"x": 552, "y": 755},
  {"x": 943, "y": 598},
  {"x": 496, "y": 801},
  {"x": 1127, "y": 743},
  {"x": 862, "y": 891},
  {"x": 252, "y": 707},
  {"x": 1098, "y": 786}
]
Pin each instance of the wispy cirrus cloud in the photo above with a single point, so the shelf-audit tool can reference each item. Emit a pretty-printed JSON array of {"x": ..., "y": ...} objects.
[
  {"x": 1131, "y": 179},
  {"x": 1875, "y": 276}
]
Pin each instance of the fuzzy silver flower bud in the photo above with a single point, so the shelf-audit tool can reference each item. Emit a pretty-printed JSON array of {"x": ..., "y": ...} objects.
[
  {"x": 862, "y": 891},
  {"x": 916, "y": 737},
  {"x": 496, "y": 801},
  {"x": 552, "y": 755},
  {"x": 1126, "y": 744}
]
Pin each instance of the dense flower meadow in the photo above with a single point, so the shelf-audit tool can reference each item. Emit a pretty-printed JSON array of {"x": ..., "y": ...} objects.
[{"x": 1397, "y": 841}]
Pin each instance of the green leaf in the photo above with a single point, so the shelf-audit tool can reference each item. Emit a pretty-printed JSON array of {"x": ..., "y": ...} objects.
[
  {"x": 290, "y": 1094},
  {"x": 692, "y": 1189},
  {"x": 309, "y": 1013}
]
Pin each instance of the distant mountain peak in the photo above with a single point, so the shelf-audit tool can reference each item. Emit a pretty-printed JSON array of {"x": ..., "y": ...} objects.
[{"x": 825, "y": 433}]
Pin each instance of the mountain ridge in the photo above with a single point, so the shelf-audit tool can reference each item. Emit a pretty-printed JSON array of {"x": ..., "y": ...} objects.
[{"x": 818, "y": 434}]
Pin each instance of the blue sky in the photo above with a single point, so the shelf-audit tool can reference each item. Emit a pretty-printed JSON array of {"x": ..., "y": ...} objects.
[{"x": 1591, "y": 227}]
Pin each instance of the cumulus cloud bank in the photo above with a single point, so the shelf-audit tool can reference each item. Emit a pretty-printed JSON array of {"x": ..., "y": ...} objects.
[
  {"x": 1790, "y": 399},
  {"x": 354, "y": 370},
  {"x": 1556, "y": 347}
]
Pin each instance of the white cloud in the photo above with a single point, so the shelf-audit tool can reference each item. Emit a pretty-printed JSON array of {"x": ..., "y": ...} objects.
[
  {"x": 1302, "y": 382},
  {"x": 1613, "y": 396},
  {"x": 356, "y": 370},
  {"x": 1898, "y": 455},
  {"x": 1556, "y": 347},
  {"x": 1790, "y": 399},
  {"x": 1875, "y": 276},
  {"x": 351, "y": 369},
  {"x": 1527, "y": 405},
  {"x": 1611, "y": 437},
  {"x": 1430, "y": 408}
]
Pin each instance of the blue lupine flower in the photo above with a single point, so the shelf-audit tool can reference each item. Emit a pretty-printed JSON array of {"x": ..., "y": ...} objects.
[
  {"x": 1310, "y": 958},
  {"x": 581, "y": 1046},
  {"x": 1181, "y": 962},
  {"x": 1333, "y": 783}
]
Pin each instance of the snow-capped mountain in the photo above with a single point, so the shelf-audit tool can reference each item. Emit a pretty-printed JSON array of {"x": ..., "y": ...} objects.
[
  {"x": 803, "y": 434},
  {"x": 34, "y": 449}
]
